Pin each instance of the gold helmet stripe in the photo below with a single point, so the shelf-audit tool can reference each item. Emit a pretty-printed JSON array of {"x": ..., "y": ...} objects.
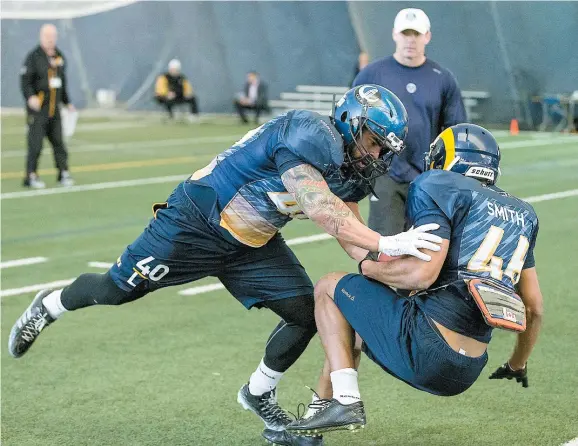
[{"x": 447, "y": 137}]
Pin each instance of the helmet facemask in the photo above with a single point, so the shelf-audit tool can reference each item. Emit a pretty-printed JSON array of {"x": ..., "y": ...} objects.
[
  {"x": 358, "y": 158},
  {"x": 434, "y": 157}
]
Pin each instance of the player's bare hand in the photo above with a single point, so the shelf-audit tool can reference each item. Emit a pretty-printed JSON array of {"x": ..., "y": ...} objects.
[
  {"x": 71, "y": 107},
  {"x": 411, "y": 241},
  {"x": 505, "y": 371},
  {"x": 34, "y": 102}
]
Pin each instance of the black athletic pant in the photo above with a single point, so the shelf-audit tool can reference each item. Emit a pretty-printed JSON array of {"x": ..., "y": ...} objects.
[
  {"x": 169, "y": 104},
  {"x": 242, "y": 108},
  {"x": 40, "y": 125},
  {"x": 387, "y": 210}
]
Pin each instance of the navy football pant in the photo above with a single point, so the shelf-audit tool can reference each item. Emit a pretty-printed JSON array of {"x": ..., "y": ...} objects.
[
  {"x": 180, "y": 246},
  {"x": 402, "y": 340}
]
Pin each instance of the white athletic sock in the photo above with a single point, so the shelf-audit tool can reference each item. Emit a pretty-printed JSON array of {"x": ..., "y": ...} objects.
[
  {"x": 263, "y": 380},
  {"x": 53, "y": 304},
  {"x": 345, "y": 386}
]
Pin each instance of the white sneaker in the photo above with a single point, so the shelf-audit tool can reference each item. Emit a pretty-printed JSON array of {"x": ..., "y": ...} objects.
[
  {"x": 193, "y": 119},
  {"x": 35, "y": 183},
  {"x": 29, "y": 325},
  {"x": 65, "y": 179}
]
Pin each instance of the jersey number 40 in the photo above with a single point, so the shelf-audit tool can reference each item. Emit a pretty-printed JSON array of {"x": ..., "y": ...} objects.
[
  {"x": 156, "y": 274},
  {"x": 484, "y": 260}
]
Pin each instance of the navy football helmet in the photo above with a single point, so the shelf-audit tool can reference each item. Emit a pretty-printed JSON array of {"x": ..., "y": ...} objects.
[
  {"x": 467, "y": 149},
  {"x": 377, "y": 110}
]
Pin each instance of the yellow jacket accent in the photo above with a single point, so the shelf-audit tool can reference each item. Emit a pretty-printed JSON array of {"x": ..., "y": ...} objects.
[
  {"x": 162, "y": 86},
  {"x": 187, "y": 89}
]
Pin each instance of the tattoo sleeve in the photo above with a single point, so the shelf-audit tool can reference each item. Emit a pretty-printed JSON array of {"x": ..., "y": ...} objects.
[{"x": 316, "y": 199}]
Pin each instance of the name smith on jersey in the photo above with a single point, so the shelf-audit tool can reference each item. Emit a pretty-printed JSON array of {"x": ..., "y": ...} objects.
[{"x": 506, "y": 214}]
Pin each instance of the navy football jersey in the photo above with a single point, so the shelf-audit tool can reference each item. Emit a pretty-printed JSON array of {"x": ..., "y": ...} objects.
[
  {"x": 252, "y": 202},
  {"x": 492, "y": 236}
]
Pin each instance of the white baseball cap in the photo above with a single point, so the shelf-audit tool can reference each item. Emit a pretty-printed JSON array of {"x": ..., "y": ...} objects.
[
  {"x": 175, "y": 64},
  {"x": 411, "y": 18}
]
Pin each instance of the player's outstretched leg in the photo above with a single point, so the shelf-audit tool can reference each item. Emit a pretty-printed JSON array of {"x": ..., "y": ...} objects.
[{"x": 29, "y": 326}]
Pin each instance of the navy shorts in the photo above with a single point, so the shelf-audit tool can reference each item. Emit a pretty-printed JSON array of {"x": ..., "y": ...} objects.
[
  {"x": 402, "y": 340},
  {"x": 180, "y": 246}
]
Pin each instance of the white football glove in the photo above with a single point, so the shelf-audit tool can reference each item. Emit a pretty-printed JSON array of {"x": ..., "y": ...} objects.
[{"x": 411, "y": 241}]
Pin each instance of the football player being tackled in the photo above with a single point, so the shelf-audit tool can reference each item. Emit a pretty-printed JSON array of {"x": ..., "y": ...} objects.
[
  {"x": 482, "y": 278},
  {"x": 224, "y": 221}
]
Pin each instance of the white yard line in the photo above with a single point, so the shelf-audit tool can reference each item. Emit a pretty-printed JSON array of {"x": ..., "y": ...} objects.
[
  {"x": 83, "y": 128},
  {"x": 308, "y": 239},
  {"x": 554, "y": 196},
  {"x": 94, "y": 186},
  {"x": 103, "y": 265},
  {"x": 202, "y": 289},
  {"x": 539, "y": 142},
  {"x": 291, "y": 242},
  {"x": 133, "y": 145},
  {"x": 22, "y": 262},
  {"x": 526, "y": 134},
  {"x": 573, "y": 442},
  {"x": 35, "y": 288}
]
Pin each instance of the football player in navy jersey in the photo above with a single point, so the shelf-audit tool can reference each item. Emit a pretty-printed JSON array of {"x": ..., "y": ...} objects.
[
  {"x": 484, "y": 277},
  {"x": 224, "y": 221}
]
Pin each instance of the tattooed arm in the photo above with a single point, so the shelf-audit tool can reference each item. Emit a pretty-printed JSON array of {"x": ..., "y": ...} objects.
[
  {"x": 355, "y": 252},
  {"x": 326, "y": 209}
]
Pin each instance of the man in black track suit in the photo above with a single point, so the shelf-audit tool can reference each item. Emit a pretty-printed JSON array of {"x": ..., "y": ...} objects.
[{"x": 43, "y": 85}]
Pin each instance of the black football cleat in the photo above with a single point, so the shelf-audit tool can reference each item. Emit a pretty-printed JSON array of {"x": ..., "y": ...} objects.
[
  {"x": 29, "y": 326},
  {"x": 265, "y": 407},
  {"x": 332, "y": 416},
  {"x": 284, "y": 438}
]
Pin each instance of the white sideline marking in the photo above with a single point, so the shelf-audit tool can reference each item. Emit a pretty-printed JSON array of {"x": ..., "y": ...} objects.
[
  {"x": 95, "y": 186},
  {"x": 292, "y": 242},
  {"x": 105, "y": 265},
  {"x": 573, "y": 442},
  {"x": 526, "y": 133},
  {"x": 554, "y": 196},
  {"x": 539, "y": 142},
  {"x": 87, "y": 127},
  {"x": 22, "y": 262},
  {"x": 34, "y": 288},
  {"x": 105, "y": 147},
  {"x": 202, "y": 289},
  {"x": 308, "y": 239}
]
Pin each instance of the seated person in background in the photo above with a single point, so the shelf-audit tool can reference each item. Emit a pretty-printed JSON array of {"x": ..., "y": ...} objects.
[
  {"x": 254, "y": 97},
  {"x": 173, "y": 88}
]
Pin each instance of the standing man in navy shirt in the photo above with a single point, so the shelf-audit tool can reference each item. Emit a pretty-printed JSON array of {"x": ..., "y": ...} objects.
[{"x": 433, "y": 101}]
